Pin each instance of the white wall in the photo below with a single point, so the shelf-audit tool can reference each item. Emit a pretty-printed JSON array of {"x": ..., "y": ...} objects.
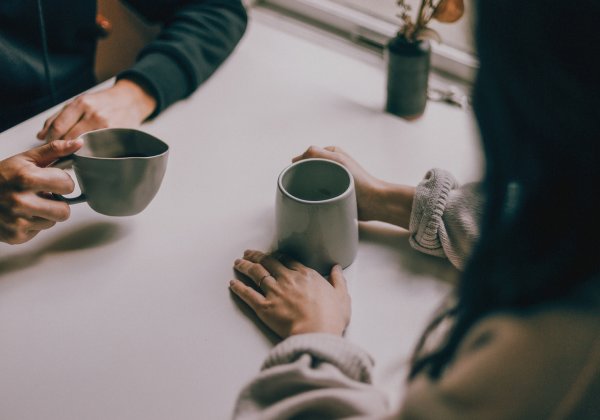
[{"x": 458, "y": 35}]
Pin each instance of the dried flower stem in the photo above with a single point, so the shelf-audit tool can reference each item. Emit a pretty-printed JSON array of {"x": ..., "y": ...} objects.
[{"x": 427, "y": 9}]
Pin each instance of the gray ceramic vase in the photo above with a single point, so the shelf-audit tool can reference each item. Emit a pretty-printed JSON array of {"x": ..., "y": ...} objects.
[{"x": 407, "y": 77}]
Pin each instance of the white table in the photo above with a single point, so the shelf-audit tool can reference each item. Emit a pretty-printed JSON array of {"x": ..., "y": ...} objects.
[{"x": 131, "y": 318}]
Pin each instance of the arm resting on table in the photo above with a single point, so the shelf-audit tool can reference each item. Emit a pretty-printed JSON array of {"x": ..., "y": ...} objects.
[{"x": 197, "y": 37}]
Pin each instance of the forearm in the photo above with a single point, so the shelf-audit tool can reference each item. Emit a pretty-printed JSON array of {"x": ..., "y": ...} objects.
[
  {"x": 442, "y": 217},
  {"x": 392, "y": 203}
]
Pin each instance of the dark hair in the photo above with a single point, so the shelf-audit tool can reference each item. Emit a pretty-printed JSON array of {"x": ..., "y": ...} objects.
[{"x": 537, "y": 103}]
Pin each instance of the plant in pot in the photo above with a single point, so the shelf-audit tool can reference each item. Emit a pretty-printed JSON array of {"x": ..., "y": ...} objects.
[{"x": 408, "y": 55}]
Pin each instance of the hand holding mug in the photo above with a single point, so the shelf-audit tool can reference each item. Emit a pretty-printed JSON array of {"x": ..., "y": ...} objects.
[
  {"x": 119, "y": 170},
  {"x": 295, "y": 299},
  {"x": 376, "y": 199},
  {"x": 367, "y": 186},
  {"x": 24, "y": 181},
  {"x": 315, "y": 214}
]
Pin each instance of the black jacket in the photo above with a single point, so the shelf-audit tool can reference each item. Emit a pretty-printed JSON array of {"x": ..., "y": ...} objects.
[{"x": 196, "y": 37}]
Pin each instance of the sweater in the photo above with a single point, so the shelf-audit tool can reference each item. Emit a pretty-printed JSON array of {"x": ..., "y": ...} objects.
[
  {"x": 541, "y": 364},
  {"x": 197, "y": 35}
]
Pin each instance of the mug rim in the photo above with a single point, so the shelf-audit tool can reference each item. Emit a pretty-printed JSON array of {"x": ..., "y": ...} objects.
[
  {"x": 82, "y": 136},
  {"x": 339, "y": 197}
]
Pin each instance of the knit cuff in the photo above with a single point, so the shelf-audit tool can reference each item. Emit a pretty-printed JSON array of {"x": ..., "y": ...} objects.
[
  {"x": 430, "y": 201},
  {"x": 347, "y": 357}
]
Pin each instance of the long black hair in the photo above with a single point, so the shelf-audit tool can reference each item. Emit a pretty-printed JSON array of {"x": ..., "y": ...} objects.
[{"x": 537, "y": 103}]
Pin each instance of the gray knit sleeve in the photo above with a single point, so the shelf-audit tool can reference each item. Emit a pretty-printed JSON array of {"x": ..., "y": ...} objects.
[
  {"x": 445, "y": 217},
  {"x": 312, "y": 376}
]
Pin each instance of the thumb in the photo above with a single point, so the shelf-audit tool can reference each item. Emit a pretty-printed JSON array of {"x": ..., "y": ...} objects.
[
  {"x": 44, "y": 155},
  {"x": 336, "y": 278}
]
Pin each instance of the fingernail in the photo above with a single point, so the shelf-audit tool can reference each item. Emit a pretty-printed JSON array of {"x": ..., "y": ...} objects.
[
  {"x": 74, "y": 142},
  {"x": 237, "y": 262},
  {"x": 231, "y": 283}
]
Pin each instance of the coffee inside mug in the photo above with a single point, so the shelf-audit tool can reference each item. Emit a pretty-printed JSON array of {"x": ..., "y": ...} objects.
[
  {"x": 120, "y": 143},
  {"x": 315, "y": 180}
]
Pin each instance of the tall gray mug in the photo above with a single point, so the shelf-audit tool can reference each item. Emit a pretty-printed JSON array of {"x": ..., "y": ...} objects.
[
  {"x": 316, "y": 214},
  {"x": 119, "y": 170}
]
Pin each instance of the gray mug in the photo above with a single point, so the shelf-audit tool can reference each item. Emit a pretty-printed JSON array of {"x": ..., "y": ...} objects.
[
  {"x": 119, "y": 170},
  {"x": 316, "y": 214}
]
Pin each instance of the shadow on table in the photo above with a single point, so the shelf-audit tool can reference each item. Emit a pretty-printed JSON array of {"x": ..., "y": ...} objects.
[
  {"x": 409, "y": 259},
  {"x": 82, "y": 237},
  {"x": 247, "y": 311}
]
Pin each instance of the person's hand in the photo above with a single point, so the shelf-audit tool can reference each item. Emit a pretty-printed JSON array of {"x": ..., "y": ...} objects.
[
  {"x": 24, "y": 180},
  {"x": 125, "y": 104},
  {"x": 295, "y": 299},
  {"x": 367, "y": 186},
  {"x": 376, "y": 199}
]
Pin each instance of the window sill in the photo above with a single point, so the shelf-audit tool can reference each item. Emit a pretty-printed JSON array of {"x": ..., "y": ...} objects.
[{"x": 371, "y": 32}]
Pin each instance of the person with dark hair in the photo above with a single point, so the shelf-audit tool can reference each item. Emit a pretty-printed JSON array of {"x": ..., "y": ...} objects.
[{"x": 520, "y": 337}]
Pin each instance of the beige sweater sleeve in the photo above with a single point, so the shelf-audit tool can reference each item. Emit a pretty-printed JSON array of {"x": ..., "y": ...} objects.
[
  {"x": 312, "y": 376},
  {"x": 445, "y": 217},
  {"x": 506, "y": 367}
]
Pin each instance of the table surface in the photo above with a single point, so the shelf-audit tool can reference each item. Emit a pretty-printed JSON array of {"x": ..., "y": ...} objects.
[{"x": 131, "y": 318}]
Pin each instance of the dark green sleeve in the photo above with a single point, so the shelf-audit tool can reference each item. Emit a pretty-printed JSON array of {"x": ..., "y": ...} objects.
[{"x": 197, "y": 36}]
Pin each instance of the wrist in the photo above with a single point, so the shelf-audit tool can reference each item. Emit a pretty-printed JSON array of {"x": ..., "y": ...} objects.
[
  {"x": 393, "y": 203},
  {"x": 313, "y": 329},
  {"x": 140, "y": 98}
]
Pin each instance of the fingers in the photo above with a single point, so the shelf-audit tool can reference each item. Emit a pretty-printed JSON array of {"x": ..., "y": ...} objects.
[
  {"x": 16, "y": 237},
  {"x": 65, "y": 120},
  {"x": 273, "y": 266},
  {"x": 17, "y": 230},
  {"x": 336, "y": 278},
  {"x": 44, "y": 155},
  {"x": 25, "y": 224},
  {"x": 38, "y": 223},
  {"x": 259, "y": 274},
  {"x": 252, "y": 298},
  {"x": 86, "y": 113},
  {"x": 290, "y": 262},
  {"x": 29, "y": 204},
  {"x": 41, "y": 135},
  {"x": 329, "y": 152},
  {"x": 83, "y": 126},
  {"x": 46, "y": 180}
]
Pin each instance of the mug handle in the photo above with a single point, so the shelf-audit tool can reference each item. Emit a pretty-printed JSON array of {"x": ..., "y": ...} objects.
[{"x": 65, "y": 163}]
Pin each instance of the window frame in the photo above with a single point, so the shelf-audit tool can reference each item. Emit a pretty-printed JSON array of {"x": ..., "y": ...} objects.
[{"x": 373, "y": 32}]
